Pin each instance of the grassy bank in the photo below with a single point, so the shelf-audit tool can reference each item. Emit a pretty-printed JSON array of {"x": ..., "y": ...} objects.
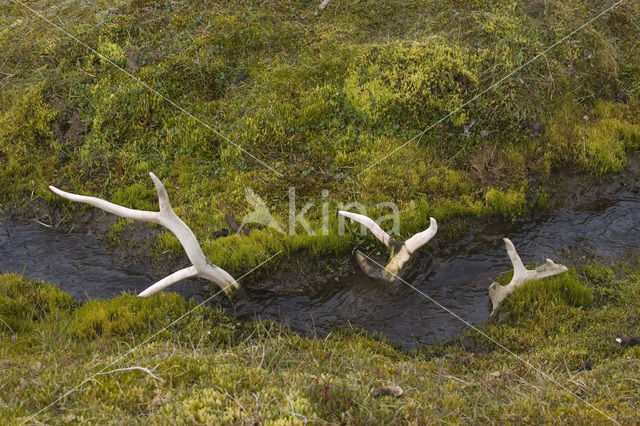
[
  {"x": 210, "y": 369},
  {"x": 317, "y": 97}
]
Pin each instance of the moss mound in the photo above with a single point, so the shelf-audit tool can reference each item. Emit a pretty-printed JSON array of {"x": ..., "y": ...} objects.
[
  {"x": 24, "y": 301},
  {"x": 126, "y": 314},
  {"x": 547, "y": 295}
]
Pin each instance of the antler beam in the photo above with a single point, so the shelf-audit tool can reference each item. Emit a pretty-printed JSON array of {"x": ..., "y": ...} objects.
[
  {"x": 401, "y": 251},
  {"x": 166, "y": 217},
  {"x": 521, "y": 275}
]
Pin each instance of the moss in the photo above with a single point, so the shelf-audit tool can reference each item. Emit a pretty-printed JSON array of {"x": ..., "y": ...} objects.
[
  {"x": 216, "y": 370},
  {"x": 26, "y": 138},
  {"x": 606, "y": 142},
  {"x": 418, "y": 81},
  {"x": 509, "y": 204},
  {"x": 167, "y": 243},
  {"x": 26, "y": 126},
  {"x": 600, "y": 138},
  {"x": 542, "y": 200},
  {"x": 24, "y": 302},
  {"x": 137, "y": 196},
  {"x": 539, "y": 297},
  {"x": 126, "y": 314}
]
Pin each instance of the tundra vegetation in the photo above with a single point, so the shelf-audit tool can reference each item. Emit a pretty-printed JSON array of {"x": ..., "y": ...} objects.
[
  {"x": 211, "y": 369},
  {"x": 317, "y": 96}
]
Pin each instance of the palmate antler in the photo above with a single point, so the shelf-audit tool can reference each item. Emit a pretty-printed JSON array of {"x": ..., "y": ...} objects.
[
  {"x": 166, "y": 217},
  {"x": 400, "y": 251},
  {"x": 521, "y": 275}
]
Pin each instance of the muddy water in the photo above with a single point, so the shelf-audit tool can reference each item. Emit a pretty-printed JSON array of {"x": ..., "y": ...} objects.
[{"x": 457, "y": 278}]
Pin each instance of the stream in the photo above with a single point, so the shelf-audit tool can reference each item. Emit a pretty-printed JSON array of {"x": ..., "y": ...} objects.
[{"x": 457, "y": 278}]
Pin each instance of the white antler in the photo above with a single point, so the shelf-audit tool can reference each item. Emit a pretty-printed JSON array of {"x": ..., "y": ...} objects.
[
  {"x": 521, "y": 275},
  {"x": 169, "y": 219},
  {"x": 396, "y": 263},
  {"x": 370, "y": 224},
  {"x": 398, "y": 258}
]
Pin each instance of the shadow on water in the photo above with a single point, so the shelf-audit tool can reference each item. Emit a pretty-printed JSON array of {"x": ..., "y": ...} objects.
[{"x": 457, "y": 278}]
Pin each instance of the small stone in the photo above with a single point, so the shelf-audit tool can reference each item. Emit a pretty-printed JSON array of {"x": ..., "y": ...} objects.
[
  {"x": 585, "y": 118},
  {"x": 392, "y": 390},
  {"x": 535, "y": 129},
  {"x": 221, "y": 233},
  {"x": 468, "y": 126},
  {"x": 240, "y": 78},
  {"x": 484, "y": 133},
  {"x": 628, "y": 340}
]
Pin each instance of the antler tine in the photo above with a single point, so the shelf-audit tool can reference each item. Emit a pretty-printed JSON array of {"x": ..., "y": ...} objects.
[
  {"x": 142, "y": 215},
  {"x": 163, "y": 197},
  {"x": 519, "y": 271},
  {"x": 370, "y": 224},
  {"x": 169, "y": 219}
]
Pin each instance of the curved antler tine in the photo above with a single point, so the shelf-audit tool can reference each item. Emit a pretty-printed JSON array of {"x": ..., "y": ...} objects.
[
  {"x": 107, "y": 206},
  {"x": 422, "y": 238},
  {"x": 163, "y": 196},
  {"x": 519, "y": 271},
  {"x": 370, "y": 224}
]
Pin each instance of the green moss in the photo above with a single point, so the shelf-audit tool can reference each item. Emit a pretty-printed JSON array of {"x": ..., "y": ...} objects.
[
  {"x": 606, "y": 142},
  {"x": 126, "y": 314},
  {"x": 509, "y": 204},
  {"x": 216, "y": 370},
  {"x": 167, "y": 243},
  {"x": 542, "y": 200},
  {"x": 137, "y": 196},
  {"x": 418, "y": 81},
  {"x": 600, "y": 138},
  {"x": 24, "y": 302},
  {"x": 26, "y": 125},
  {"x": 548, "y": 295}
]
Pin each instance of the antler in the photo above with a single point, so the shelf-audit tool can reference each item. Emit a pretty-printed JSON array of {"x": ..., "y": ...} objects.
[
  {"x": 166, "y": 217},
  {"x": 521, "y": 275},
  {"x": 398, "y": 259}
]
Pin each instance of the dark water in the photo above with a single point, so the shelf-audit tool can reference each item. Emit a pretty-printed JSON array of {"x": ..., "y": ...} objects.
[
  {"x": 457, "y": 278},
  {"x": 77, "y": 263}
]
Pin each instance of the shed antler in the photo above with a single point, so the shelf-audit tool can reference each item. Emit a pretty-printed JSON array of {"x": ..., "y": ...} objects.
[
  {"x": 166, "y": 217},
  {"x": 401, "y": 251},
  {"x": 521, "y": 275}
]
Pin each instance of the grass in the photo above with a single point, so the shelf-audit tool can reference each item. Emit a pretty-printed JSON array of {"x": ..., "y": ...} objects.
[
  {"x": 211, "y": 369},
  {"x": 318, "y": 97}
]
